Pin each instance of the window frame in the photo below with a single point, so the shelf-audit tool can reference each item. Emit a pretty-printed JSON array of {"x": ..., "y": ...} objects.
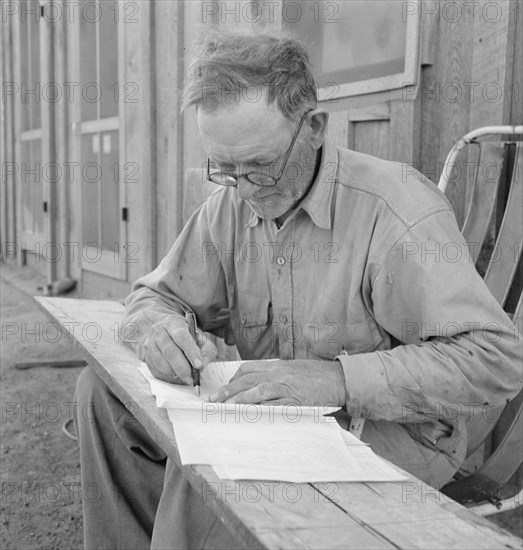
[
  {"x": 384, "y": 84},
  {"x": 110, "y": 263},
  {"x": 31, "y": 239}
]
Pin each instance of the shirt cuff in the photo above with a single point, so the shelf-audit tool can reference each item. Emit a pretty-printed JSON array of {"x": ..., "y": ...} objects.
[{"x": 366, "y": 385}]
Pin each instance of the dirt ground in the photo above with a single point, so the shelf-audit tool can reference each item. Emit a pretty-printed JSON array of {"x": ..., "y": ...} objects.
[
  {"x": 41, "y": 496},
  {"x": 41, "y": 503}
]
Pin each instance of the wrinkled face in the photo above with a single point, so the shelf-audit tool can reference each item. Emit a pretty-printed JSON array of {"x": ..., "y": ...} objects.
[{"x": 254, "y": 137}]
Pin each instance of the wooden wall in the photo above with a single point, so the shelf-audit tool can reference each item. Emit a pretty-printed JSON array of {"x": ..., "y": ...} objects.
[{"x": 470, "y": 76}]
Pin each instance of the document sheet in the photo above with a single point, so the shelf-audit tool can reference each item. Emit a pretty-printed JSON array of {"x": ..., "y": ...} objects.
[{"x": 263, "y": 442}]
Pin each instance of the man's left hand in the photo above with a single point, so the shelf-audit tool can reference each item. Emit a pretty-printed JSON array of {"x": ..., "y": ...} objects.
[{"x": 297, "y": 382}]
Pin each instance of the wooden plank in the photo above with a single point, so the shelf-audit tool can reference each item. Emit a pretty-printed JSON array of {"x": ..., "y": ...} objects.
[
  {"x": 502, "y": 268},
  {"x": 492, "y": 62},
  {"x": 380, "y": 111},
  {"x": 372, "y": 137},
  {"x": 404, "y": 130},
  {"x": 169, "y": 55},
  {"x": 335, "y": 536},
  {"x": 140, "y": 70},
  {"x": 507, "y": 417},
  {"x": 338, "y": 128},
  {"x": 5, "y": 130},
  {"x": 445, "y": 99},
  {"x": 193, "y": 150},
  {"x": 482, "y": 201},
  {"x": 514, "y": 80},
  {"x": 62, "y": 138},
  {"x": 16, "y": 27},
  {"x": 47, "y": 144},
  {"x": 454, "y": 533},
  {"x": 196, "y": 190},
  {"x": 434, "y": 520},
  {"x": 73, "y": 145}
]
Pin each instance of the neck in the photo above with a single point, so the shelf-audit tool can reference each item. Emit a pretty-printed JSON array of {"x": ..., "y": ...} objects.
[{"x": 279, "y": 221}]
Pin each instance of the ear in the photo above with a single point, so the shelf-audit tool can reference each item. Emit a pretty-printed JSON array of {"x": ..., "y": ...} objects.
[{"x": 318, "y": 120}]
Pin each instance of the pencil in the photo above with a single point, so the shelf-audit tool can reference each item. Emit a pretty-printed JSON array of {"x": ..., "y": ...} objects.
[{"x": 191, "y": 322}]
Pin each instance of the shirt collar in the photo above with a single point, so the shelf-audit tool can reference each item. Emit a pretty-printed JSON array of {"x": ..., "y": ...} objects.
[{"x": 318, "y": 202}]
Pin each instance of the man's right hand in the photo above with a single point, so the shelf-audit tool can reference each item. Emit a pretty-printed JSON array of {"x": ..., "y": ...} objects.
[{"x": 169, "y": 351}]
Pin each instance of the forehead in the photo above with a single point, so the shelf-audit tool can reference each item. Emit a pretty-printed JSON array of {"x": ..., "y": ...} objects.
[{"x": 244, "y": 131}]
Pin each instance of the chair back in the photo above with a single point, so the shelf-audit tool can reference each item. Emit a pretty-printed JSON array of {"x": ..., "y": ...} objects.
[{"x": 493, "y": 229}]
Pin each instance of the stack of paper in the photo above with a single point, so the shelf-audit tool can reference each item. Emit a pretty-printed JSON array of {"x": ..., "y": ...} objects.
[{"x": 264, "y": 442}]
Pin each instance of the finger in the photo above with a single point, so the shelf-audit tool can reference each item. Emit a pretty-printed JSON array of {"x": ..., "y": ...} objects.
[
  {"x": 158, "y": 366},
  {"x": 259, "y": 394},
  {"x": 260, "y": 382},
  {"x": 286, "y": 402},
  {"x": 172, "y": 354},
  {"x": 189, "y": 347},
  {"x": 253, "y": 367},
  {"x": 177, "y": 361},
  {"x": 246, "y": 382}
]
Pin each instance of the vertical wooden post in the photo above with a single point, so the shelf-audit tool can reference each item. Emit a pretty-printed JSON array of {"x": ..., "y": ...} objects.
[
  {"x": 169, "y": 54},
  {"x": 140, "y": 138},
  {"x": 48, "y": 142}
]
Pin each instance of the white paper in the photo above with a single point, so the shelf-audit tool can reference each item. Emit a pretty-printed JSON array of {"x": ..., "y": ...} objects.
[
  {"x": 213, "y": 377},
  {"x": 263, "y": 442}
]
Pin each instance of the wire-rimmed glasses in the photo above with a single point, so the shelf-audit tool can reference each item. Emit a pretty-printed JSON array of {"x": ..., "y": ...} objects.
[{"x": 257, "y": 178}]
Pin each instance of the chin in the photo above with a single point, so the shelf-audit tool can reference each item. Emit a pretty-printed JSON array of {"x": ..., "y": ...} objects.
[{"x": 268, "y": 214}]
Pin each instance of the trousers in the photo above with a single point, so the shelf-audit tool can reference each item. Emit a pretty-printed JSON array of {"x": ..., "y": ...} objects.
[{"x": 135, "y": 497}]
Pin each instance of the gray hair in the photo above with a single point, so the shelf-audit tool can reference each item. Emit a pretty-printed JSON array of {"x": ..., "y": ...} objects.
[{"x": 233, "y": 63}]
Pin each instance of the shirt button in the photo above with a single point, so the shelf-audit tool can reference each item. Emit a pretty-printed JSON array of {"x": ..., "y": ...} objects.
[
  {"x": 281, "y": 260},
  {"x": 283, "y": 318}
]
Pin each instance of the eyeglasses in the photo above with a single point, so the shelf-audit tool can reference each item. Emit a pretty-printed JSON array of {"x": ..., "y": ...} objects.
[{"x": 257, "y": 178}]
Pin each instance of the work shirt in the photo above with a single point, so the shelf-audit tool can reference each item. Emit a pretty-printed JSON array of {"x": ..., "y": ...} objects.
[{"x": 370, "y": 269}]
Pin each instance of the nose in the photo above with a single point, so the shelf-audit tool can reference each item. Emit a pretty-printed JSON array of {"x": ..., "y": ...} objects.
[{"x": 246, "y": 189}]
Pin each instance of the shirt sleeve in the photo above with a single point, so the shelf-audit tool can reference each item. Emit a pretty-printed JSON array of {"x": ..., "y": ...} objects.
[
  {"x": 189, "y": 278},
  {"x": 457, "y": 348}
]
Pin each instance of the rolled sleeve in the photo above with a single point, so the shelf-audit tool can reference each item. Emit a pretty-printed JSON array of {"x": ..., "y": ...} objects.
[{"x": 367, "y": 384}]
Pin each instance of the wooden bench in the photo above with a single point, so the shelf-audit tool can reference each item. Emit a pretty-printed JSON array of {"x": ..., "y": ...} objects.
[{"x": 408, "y": 514}]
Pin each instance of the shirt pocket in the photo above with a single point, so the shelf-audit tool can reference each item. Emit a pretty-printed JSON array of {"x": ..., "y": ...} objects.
[
  {"x": 252, "y": 320},
  {"x": 254, "y": 309}
]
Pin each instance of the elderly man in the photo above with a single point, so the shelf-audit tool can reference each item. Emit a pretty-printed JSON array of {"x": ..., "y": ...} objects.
[{"x": 321, "y": 257}]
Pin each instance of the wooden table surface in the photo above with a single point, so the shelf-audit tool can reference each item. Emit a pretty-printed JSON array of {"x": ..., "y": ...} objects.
[{"x": 408, "y": 514}]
